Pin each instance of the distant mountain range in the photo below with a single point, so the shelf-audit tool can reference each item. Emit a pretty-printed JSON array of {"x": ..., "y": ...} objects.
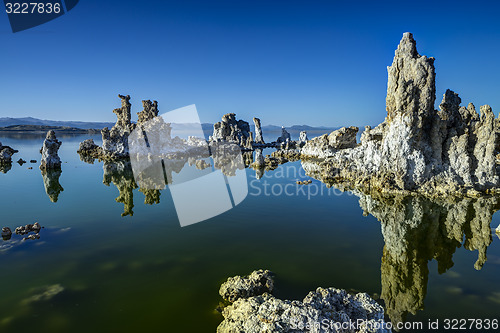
[
  {"x": 7, "y": 121},
  {"x": 30, "y": 124}
]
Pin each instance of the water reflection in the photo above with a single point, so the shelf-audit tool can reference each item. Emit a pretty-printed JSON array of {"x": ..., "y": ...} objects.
[
  {"x": 120, "y": 174},
  {"x": 417, "y": 230},
  {"x": 51, "y": 183}
]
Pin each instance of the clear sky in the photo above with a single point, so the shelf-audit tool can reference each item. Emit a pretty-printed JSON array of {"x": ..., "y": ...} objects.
[{"x": 287, "y": 62}]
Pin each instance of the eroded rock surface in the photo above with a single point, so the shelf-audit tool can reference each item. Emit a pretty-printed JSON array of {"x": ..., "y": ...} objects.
[
  {"x": 265, "y": 313},
  {"x": 232, "y": 130},
  {"x": 328, "y": 145},
  {"x": 258, "y": 131},
  {"x": 416, "y": 148},
  {"x": 257, "y": 283},
  {"x": 50, "y": 158}
]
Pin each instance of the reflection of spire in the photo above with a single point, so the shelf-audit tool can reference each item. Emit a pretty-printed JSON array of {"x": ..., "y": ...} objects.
[
  {"x": 51, "y": 183},
  {"x": 417, "y": 230},
  {"x": 120, "y": 174},
  {"x": 151, "y": 196}
]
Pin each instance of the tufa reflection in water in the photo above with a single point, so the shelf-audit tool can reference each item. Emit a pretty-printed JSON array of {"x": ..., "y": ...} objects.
[
  {"x": 417, "y": 230},
  {"x": 51, "y": 183}
]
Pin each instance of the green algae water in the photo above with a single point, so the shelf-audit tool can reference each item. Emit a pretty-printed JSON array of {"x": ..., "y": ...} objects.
[{"x": 112, "y": 259}]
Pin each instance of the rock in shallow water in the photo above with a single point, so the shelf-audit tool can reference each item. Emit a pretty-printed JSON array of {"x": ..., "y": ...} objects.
[
  {"x": 323, "y": 310},
  {"x": 50, "y": 157},
  {"x": 418, "y": 149},
  {"x": 257, "y": 283}
]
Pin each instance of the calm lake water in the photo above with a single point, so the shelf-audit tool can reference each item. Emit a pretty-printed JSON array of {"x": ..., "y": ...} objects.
[{"x": 94, "y": 270}]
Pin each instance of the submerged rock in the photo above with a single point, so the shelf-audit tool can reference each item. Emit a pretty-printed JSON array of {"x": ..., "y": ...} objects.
[
  {"x": 416, "y": 148},
  {"x": 323, "y": 310},
  {"x": 50, "y": 158}
]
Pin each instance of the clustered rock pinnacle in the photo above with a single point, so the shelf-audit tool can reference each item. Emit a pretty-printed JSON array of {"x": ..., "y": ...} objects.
[{"x": 418, "y": 148}]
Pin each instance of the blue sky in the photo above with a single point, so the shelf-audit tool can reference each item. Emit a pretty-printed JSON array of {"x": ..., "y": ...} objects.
[{"x": 287, "y": 62}]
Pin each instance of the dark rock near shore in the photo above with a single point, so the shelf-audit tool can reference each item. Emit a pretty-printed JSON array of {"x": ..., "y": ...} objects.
[{"x": 6, "y": 153}]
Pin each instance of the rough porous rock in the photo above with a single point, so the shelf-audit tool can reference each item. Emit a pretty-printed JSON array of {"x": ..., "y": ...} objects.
[
  {"x": 50, "y": 158},
  {"x": 303, "y": 137},
  {"x": 232, "y": 130},
  {"x": 323, "y": 310},
  {"x": 257, "y": 283},
  {"x": 258, "y": 131},
  {"x": 6, "y": 153},
  {"x": 416, "y": 148},
  {"x": 114, "y": 140},
  {"x": 328, "y": 145},
  {"x": 89, "y": 148},
  {"x": 149, "y": 112}
]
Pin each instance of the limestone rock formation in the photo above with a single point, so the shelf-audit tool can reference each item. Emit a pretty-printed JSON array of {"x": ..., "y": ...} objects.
[
  {"x": 328, "y": 145},
  {"x": 232, "y": 130},
  {"x": 88, "y": 151},
  {"x": 257, "y": 283},
  {"x": 416, "y": 148},
  {"x": 303, "y": 137},
  {"x": 6, "y": 153},
  {"x": 115, "y": 141},
  {"x": 149, "y": 112},
  {"x": 258, "y": 131},
  {"x": 50, "y": 158},
  {"x": 265, "y": 313}
]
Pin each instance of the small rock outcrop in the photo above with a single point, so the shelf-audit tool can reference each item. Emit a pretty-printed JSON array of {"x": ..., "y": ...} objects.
[
  {"x": 285, "y": 136},
  {"x": 50, "y": 158},
  {"x": 328, "y": 145},
  {"x": 6, "y": 153},
  {"x": 114, "y": 140},
  {"x": 262, "y": 312},
  {"x": 303, "y": 137},
  {"x": 258, "y": 131},
  {"x": 417, "y": 148},
  {"x": 257, "y": 283},
  {"x": 232, "y": 130}
]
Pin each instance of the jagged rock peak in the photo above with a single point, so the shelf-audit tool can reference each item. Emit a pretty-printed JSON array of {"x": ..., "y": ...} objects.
[
  {"x": 150, "y": 111},
  {"x": 232, "y": 130},
  {"x": 407, "y": 45},
  {"x": 123, "y": 113},
  {"x": 411, "y": 86}
]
